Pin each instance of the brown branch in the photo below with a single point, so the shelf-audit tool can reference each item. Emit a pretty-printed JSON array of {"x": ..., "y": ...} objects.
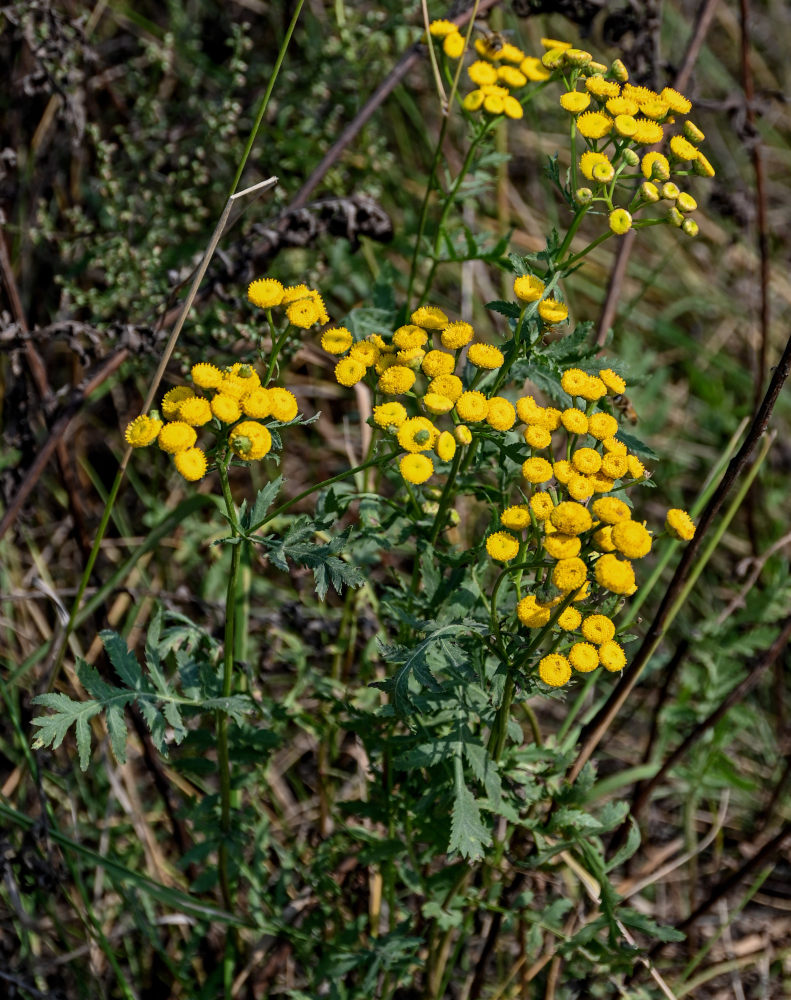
[{"x": 594, "y": 732}]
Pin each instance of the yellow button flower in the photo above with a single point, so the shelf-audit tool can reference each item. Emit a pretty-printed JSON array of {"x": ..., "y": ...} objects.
[
  {"x": 537, "y": 470},
  {"x": 614, "y": 574},
  {"x": 173, "y": 398},
  {"x": 430, "y": 318},
  {"x": 226, "y": 408},
  {"x": 528, "y": 288},
  {"x": 631, "y": 539},
  {"x": 177, "y": 436},
  {"x": 250, "y": 441},
  {"x": 571, "y": 518},
  {"x": 532, "y": 614},
  {"x": 680, "y": 525},
  {"x": 485, "y": 356},
  {"x": 396, "y": 380},
  {"x": 417, "y": 434},
  {"x": 389, "y": 416},
  {"x": 611, "y": 510},
  {"x": 502, "y": 546},
  {"x": 517, "y": 517},
  {"x": 445, "y": 446},
  {"x": 142, "y": 431},
  {"x": 265, "y": 293},
  {"x": 501, "y": 414},
  {"x": 195, "y": 411},
  {"x": 456, "y": 335},
  {"x": 283, "y": 404},
  {"x": 447, "y": 385},
  {"x": 416, "y": 468},
  {"x": 554, "y": 670},
  {"x": 191, "y": 464},
  {"x": 337, "y": 340},
  {"x": 206, "y": 376},
  {"x": 569, "y": 574},
  {"x": 598, "y": 629},
  {"x": 583, "y": 657},
  {"x": 438, "y": 363},
  {"x": 612, "y": 656},
  {"x": 560, "y": 546},
  {"x": 552, "y": 311},
  {"x": 472, "y": 406},
  {"x": 350, "y": 371}
]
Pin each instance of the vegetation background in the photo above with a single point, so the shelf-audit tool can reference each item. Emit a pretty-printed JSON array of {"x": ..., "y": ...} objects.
[{"x": 122, "y": 127}]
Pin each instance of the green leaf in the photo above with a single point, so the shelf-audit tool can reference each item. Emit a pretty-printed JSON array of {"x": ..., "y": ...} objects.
[
  {"x": 124, "y": 661},
  {"x": 510, "y": 309},
  {"x": 636, "y": 445},
  {"x": 67, "y": 713},
  {"x": 468, "y": 835},
  {"x": 251, "y": 519}
]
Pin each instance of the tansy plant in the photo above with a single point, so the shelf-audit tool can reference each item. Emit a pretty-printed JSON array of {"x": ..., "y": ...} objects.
[{"x": 505, "y": 492}]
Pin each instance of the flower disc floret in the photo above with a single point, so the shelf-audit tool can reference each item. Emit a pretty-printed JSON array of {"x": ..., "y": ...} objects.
[
  {"x": 647, "y": 133},
  {"x": 173, "y": 399},
  {"x": 336, "y": 341},
  {"x": 511, "y": 77},
  {"x": 225, "y": 408},
  {"x": 265, "y": 293},
  {"x": 561, "y": 546},
  {"x": 542, "y": 505},
  {"x": 453, "y": 45},
  {"x": 598, "y": 629},
  {"x": 250, "y": 440},
  {"x": 680, "y": 525},
  {"x": 395, "y": 380},
  {"x": 409, "y": 336},
  {"x": 631, "y": 539},
  {"x": 456, "y": 336},
  {"x": 206, "y": 376},
  {"x": 571, "y": 518},
  {"x": 620, "y": 221},
  {"x": 614, "y": 383},
  {"x": 569, "y": 619},
  {"x": 177, "y": 436},
  {"x": 437, "y": 404},
  {"x": 574, "y": 381},
  {"x": 554, "y": 670},
  {"x": 283, "y": 404},
  {"x": 528, "y": 288},
  {"x": 552, "y": 311},
  {"x": 430, "y": 318},
  {"x": 191, "y": 464},
  {"x": 481, "y": 73},
  {"x": 574, "y": 102},
  {"x": 501, "y": 414},
  {"x": 447, "y": 385},
  {"x": 416, "y": 468},
  {"x": 614, "y": 574},
  {"x": 590, "y": 160},
  {"x": 195, "y": 411},
  {"x": 611, "y": 510},
  {"x": 569, "y": 574},
  {"x": 574, "y": 421},
  {"x": 586, "y": 460},
  {"x": 537, "y": 470},
  {"x": 438, "y": 363},
  {"x": 675, "y": 101},
  {"x": 304, "y": 313},
  {"x": 594, "y": 125},
  {"x": 349, "y": 371},
  {"x": 614, "y": 466},
  {"x": 472, "y": 406},
  {"x": 538, "y": 436},
  {"x": 417, "y": 434},
  {"x": 142, "y": 431},
  {"x": 502, "y": 546},
  {"x": 257, "y": 404},
  {"x": 445, "y": 447},
  {"x": 563, "y": 471},
  {"x": 485, "y": 356},
  {"x": 583, "y": 657},
  {"x": 612, "y": 656},
  {"x": 517, "y": 517},
  {"x": 602, "y": 425},
  {"x": 389, "y": 416}
]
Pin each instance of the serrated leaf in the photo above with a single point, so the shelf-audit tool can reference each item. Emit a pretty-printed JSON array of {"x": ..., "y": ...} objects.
[
  {"x": 124, "y": 661},
  {"x": 484, "y": 767},
  {"x": 509, "y": 309},
  {"x": 66, "y": 713},
  {"x": 265, "y": 497},
  {"x": 628, "y": 849},
  {"x": 636, "y": 445},
  {"x": 468, "y": 835}
]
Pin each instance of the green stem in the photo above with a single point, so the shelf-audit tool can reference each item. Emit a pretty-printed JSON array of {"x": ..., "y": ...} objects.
[
  {"x": 221, "y": 716},
  {"x": 445, "y": 499}
]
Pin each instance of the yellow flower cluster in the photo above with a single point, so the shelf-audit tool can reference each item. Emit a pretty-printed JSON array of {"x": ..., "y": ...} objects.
[
  {"x": 500, "y": 69},
  {"x": 419, "y": 361},
  {"x": 618, "y": 120},
  {"x": 304, "y": 307},
  {"x": 573, "y": 517},
  {"x": 222, "y": 397}
]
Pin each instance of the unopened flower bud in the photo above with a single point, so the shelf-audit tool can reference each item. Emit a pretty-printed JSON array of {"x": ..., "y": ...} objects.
[
  {"x": 692, "y": 133},
  {"x": 619, "y": 71},
  {"x": 583, "y": 195},
  {"x": 675, "y": 217},
  {"x": 649, "y": 191},
  {"x": 670, "y": 191},
  {"x": 690, "y": 227},
  {"x": 630, "y": 157},
  {"x": 686, "y": 203}
]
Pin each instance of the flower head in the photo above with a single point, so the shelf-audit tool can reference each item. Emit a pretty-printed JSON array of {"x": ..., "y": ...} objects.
[
  {"x": 472, "y": 406},
  {"x": 265, "y": 293},
  {"x": 614, "y": 574},
  {"x": 173, "y": 398},
  {"x": 501, "y": 414},
  {"x": 395, "y": 380},
  {"x": 250, "y": 440},
  {"x": 416, "y": 468},
  {"x": 283, "y": 404},
  {"x": 552, "y": 311},
  {"x": 195, "y": 411},
  {"x": 445, "y": 447},
  {"x": 390, "y": 416},
  {"x": 537, "y": 470},
  {"x": 438, "y": 363},
  {"x": 502, "y": 546},
  {"x": 417, "y": 434},
  {"x": 225, "y": 408},
  {"x": 206, "y": 376},
  {"x": 142, "y": 431},
  {"x": 177, "y": 436},
  {"x": 430, "y": 317},
  {"x": 561, "y": 546},
  {"x": 191, "y": 464},
  {"x": 554, "y": 670},
  {"x": 517, "y": 517},
  {"x": 456, "y": 335},
  {"x": 528, "y": 288},
  {"x": 337, "y": 340},
  {"x": 257, "y": 404},
  {"x": 598, "y": 629},
  {"x": 631, "y": 539},
  {"x": 485, "y": 356},
  {"x": 594, "y": 125},
  {"x": 611, "y": 510},
  {"x": 612, "y": 656},
  {"x": 571, "y": 518},
  {"x": 569, "y": 574},
  {"x": 583, "y": 657},
  {"x": 447, "y": 385},
  {"x": 680, "y": 525}
]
